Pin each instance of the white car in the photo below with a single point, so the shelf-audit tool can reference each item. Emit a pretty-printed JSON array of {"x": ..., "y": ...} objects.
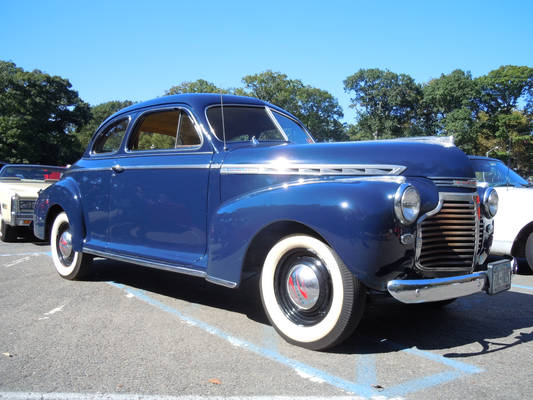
[
  {"x": 19, "y": 188},
  {"x": 513, "y": 225}
]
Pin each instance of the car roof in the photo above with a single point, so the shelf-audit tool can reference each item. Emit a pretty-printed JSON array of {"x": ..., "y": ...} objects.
[{"x": 198, "y": 101}]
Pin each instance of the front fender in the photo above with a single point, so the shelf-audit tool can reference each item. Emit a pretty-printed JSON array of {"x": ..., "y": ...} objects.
[
  {"x": 65, "y": 195},
  {"x": 354, "y": 216}
]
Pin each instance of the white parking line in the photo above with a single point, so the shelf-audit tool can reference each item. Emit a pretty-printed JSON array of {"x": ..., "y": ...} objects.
[
  {"x": 117, "y": 396},
  {"x": 20, "y": 260}
]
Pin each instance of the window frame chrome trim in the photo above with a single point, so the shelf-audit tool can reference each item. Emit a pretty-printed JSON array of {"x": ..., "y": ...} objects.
[
  {"x": 269, "y": 111},
  {"x": 174, "y": 150},
  {"x": 272, "y": 111},
  {"x": 102, "y": 129}
]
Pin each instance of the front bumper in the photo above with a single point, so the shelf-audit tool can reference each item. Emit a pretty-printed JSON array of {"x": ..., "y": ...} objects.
[
  {"x": 21, "y": 219},
  {"x": 495, "y": 279}
]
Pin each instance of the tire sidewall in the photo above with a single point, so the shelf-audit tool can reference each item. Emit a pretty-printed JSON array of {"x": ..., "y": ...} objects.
[
  {"x": 299, "y": 333},
  {"x": 66, "y": 271}
]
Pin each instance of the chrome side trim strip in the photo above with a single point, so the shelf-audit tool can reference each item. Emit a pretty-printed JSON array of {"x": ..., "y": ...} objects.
[
  {"x": 162, "y": 266},
  {"x": 312, "y": 169},
  {"x": 147, "y": 263},
  {"x": 222, "y": 282},
  {"x": 136, "y": 167}
]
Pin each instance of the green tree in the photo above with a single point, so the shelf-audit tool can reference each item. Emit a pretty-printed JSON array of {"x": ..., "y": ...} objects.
[
  {"x": 38, "y": 115},
  {"x": 501, "y": 121},
  {"x": 387, "y": 104},
  {"x": 98, "y": 114},
  {"x": 319, "y": 111},
  {"x": 451, "y": 106},
  {"x": 198, "y": 86}
]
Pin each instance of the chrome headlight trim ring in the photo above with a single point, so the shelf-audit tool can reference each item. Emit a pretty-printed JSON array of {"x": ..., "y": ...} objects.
[
  {"x": 407, "y": 196},
  {"x": 490, "y": 202}
]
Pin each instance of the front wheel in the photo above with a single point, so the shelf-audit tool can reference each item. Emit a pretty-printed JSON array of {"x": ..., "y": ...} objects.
[
  {"x": 309, "y": 295},
  {"x": 7, "y": 232},
  {"x": 69, "y": 264}
]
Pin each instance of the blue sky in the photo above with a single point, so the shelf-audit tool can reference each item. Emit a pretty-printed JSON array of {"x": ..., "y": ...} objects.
[{"x": 118, "y": 50}]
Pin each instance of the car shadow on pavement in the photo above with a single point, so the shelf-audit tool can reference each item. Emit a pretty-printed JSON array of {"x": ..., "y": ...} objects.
[
  {"x": 191, "y": 289},
  {"x": 489, "y": 322}
]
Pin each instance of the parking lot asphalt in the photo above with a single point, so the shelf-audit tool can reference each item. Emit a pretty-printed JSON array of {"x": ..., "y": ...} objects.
[{"x": 130, "y": 332}]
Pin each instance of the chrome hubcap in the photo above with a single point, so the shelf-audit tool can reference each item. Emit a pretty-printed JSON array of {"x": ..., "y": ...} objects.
[
  {"x": 65, "y": 244},
  {"x": 303, "y": 286}
]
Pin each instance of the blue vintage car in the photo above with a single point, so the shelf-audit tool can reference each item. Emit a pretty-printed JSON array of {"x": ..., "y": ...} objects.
[{"x": 228, "y": 187}]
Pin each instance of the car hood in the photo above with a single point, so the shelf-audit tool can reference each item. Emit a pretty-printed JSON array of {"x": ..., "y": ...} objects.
[
  {"x": 419, "y": 159},
  {"x": 24, "y": 189}
]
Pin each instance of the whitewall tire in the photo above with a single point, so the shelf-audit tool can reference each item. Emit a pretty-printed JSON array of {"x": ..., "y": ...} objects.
[
  {"x": 69, "y": 264},
  {"x": 309, "y": 295}
]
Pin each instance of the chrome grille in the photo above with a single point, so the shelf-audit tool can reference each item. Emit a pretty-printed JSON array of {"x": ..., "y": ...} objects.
[{"x": 448, "y": 239}]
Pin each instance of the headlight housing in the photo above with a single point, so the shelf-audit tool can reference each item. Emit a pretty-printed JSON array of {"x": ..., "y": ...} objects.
[
  {"x": 490, "y": 202},
  {"x": 407, "y": 204}
]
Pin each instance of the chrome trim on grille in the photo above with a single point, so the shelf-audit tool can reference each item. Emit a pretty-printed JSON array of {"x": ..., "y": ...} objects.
[
  {"x": 455, "y": 182},
  {"x": 452, "y": 242},
  {"x": 312, "y": 169}
]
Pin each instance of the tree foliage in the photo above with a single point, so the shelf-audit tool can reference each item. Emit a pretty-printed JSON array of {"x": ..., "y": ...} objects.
[
  {"x": 319, "y": 111},
  {"x": 198, "y": 86},
  {"x": 387, "y": 104},
  {"x": 38, "y": 115},
  {"x": 491, "y": 111}
]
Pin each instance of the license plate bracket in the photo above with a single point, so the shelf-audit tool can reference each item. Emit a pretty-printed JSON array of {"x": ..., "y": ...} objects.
[{"x": 499, "y": 274}]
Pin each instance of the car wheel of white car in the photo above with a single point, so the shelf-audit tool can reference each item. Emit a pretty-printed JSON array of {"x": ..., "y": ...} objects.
[
  {"x": 69, "y": 264},
  {"x": 529, "y": 250},
  {"x": 7, "y": 233},
  {"x": 309, "y": 295}
]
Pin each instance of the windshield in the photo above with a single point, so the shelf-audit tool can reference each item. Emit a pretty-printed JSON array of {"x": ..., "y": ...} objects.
[
  {"x": 36, "y": 173},
  {"x": 496, "y": 173},
  {"x": 242, "y": 123}
]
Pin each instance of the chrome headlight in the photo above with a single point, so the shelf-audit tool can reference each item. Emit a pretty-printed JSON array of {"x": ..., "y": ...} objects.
[
  {"x": 406, "y": 204},
  {"x": 490, "y": 203}
]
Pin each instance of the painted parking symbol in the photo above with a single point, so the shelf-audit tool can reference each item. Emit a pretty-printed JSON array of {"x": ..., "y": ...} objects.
[{"x": 366, "y": 369}]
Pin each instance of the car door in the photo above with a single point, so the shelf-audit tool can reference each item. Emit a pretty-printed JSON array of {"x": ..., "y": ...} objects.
[
  {"x": 159, "y": 189},
  {"x": 93, "y": 174}
]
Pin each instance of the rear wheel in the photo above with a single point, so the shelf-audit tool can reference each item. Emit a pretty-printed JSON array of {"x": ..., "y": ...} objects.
[
  {"x": 7, "y": 232},
  {"x": 69, "y": 264},
  {"x": 309, "y": 295}
]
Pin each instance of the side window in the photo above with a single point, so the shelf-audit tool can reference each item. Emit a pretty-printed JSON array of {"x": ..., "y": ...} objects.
[
  {"x": 163, "y": 130},
  {"x": 187, "y": 135},
  {"x": 110, "y": 139}
]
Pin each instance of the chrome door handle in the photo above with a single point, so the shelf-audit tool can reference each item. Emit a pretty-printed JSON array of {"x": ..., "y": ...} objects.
[{"x": 117, "y": 168}]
